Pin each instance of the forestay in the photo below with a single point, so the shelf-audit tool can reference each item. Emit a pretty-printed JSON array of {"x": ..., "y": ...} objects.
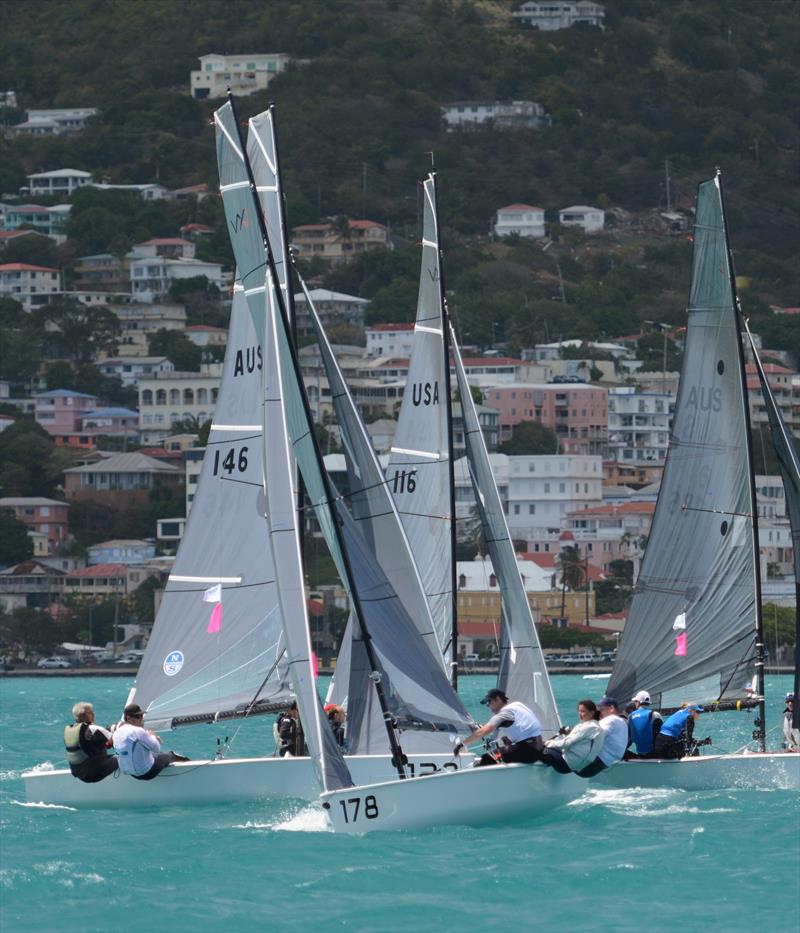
[
  {"x": 210, "y": 658},
  {"x": 691, "y": 630},
  {"x": 245, "y": 228},
  {"x": 419, "y": 469},
  {"x": 523, "y": 673}
]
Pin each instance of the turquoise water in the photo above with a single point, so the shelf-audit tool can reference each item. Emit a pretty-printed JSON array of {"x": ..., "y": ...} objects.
[{"x": 613, "y": 860}]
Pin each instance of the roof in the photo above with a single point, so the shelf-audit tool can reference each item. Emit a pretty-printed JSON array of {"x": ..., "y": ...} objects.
[
  {"x": 520, "y": 207},
  {"x": 166, "y": 241},
  {"x": 13, "y": 234},
  {"x": 770, "y": 369},
  {"x": 205, "y": 328},
  {"x": 122, "y": 542},
  {"x": 626, "y": 508},
  {"x": 196, "y": 228},
  {"x": 132, "y": 360},
  {"x": 390, "y": 327},
  {"x": 63, "y": 393},
  {"x": 112, "y": 413},
  {"x": 62, "y": 173},
  {"x": 24, "y": 267},
  {"x": 135, "y": 462},
  {"x": 492, "y": 361},
  {"x": 101, "y": 570},
  {"x": 580, "y": 207},
  {"x": 11, "y": 501},
  {"x": 325, "y": 294},
  {"x": 30, "y": 567}
]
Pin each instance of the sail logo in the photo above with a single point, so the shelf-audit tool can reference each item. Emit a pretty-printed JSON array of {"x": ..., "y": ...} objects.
[
  {"x": 173, "y": 662},
  {"x": 425, "y": 393},
  {"x": 241, "y": 221},
  {"x": 247, "y": 360},
  {"x": 706, "y": 399},
  {"x": 433, "y": 274}
]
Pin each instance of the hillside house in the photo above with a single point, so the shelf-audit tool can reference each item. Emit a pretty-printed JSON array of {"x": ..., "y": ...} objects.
[
  {"x": 244, "y": 74},
  {"x": 520, "y": 220},
  {"x": 589, "y": 219},
  {"x": 550, "y": 15},
  {"x": 62, "y": 181}
]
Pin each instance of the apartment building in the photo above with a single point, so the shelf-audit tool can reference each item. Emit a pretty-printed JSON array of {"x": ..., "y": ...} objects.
[
  {"x": 169, "y": 398},
  {"x": 785, "y": 385},
  {"x": 27, "y": 283},
  {"x": 54, "y": 122},
  {"x": 62, "y": 181},
  {"x": 393, "y": 340},
  {"x": 46, "y": 517},
  {"x": 334, "y": 245},
  {"x": 639, "y": 424},
  {"x": 129, "y": 370},
  {"x": 243, "y": 74},
  {"x": 466, "y": 114},
  {"x": 332, "y": 308},
  {"x": 123, "y": 481},
  {"x": 49, "y": 221},
  {"x": 550, "y": 15},
  {"x": 61, "y": 411}
]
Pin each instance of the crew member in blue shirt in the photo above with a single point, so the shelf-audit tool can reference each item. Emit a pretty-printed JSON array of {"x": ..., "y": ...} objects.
[
  {"x": 644, "y": 724},
  {"x": 675, "y": 738}
]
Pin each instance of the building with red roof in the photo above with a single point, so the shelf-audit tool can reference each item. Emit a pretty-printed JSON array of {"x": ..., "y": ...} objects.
[{"x": 331, "y": 244}]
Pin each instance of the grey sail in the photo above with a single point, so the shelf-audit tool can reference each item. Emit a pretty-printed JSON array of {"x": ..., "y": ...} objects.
[
  {"x": 390, "y": 593},
  {"x": 690, "y": 634},
  {"x": 523, "y": 672},
  {"x": 187, "y": 672},
  {"x": 280, "y": 518},
  {"x": 786, "y": 453},
  {"x": 419, "y": 470}
]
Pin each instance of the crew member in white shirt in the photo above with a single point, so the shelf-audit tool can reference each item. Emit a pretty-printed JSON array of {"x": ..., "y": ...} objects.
[
  {"x": 616, "y": 735},
  {"x": 515, "y": 726},
  {"x": 139, "y": 750}
]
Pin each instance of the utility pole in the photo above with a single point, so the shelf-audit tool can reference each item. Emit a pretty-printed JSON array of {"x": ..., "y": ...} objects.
[
  {"x": 666, "y": 184},
  {"x": 363, "y": 190}
]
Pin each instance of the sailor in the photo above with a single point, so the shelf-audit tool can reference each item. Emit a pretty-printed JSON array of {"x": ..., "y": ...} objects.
[
  {"x": 86, "y": 745},
  {"x": 577, "y": 749},
  {"x": 289, "y": 736},
  {"x": 515, "y": 726},
  {"x": 615, "y": 741},
  {"x": 791, "y": 736},
  {"x": 675, "y": 737},
  {"x": 644, "y": 724},
  {"x": 138, "y": 749},
  {"x": 337, "y": 718}
]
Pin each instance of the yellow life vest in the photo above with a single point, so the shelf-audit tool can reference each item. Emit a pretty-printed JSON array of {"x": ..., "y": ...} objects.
[{"x": 72, "y": 735}]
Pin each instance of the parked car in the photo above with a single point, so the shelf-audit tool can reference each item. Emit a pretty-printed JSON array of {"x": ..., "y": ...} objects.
[
  {"x": 471, "y": 658},
  {"x": 128, "y": 659},
  {"x": 578, "y": 659},
  {"x": 53, "y": 663}
]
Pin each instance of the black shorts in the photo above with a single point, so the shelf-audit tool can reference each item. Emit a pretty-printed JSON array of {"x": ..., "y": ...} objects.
[
  {"x": 162, "y": 759},
  {"x": 95, "y": 769}
]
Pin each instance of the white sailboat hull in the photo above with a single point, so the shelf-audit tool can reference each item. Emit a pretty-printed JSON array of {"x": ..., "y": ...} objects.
[
  {"x": 216, "y": 781},
  {"x": 472, "y": 796},
  {"x": 771, "y": 770}
]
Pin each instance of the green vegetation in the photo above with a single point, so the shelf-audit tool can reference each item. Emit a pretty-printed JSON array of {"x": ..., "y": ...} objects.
[{"x": 530, "y": 437}]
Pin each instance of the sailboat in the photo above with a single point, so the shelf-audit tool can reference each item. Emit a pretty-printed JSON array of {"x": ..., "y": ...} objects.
[
  {"x": 694, "y": 632},
  {"x": 226, "y": 660}
]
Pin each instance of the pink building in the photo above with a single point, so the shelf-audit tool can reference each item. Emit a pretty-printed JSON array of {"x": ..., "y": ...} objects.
[
  {"x": 61, "y": 411},
  {"x": 43, "y": 516},
  {"x": 578, "y": 413}
]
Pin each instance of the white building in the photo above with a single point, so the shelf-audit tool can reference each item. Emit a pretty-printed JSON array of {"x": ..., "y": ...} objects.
[
  {"x": 54, "y": 122},
  {"x": 24, "y": 282},
  {"x": 543, "y": 489},
  {"x": 193, "y": 463},
  {"x": 147, "y": 192},
  {"x": 395, "y": 340},
  {"x": 168, "y": 247},
  {"x": 549, "y": 15},
  {"x": 638, "y": 424},
  {"x": 59, "y": 182},
  {"x": 8, "y": 99},
  {"x": 589, "y": 219},
  {"x": 176, "y": 396},
  {"x": 140, "y": 321},
  {"x": 499, "y": 113},
  {"x": 49, "y": 221},
  {"x": 332, "y": 308},
  {"x": 520, "y": 219},
  {"x": 151, "y": 276},
  {"x": 243, "y": 74},
  {"x": 478, "y": 576},
  {"x": 130, "y": 369},
  {"x": 546, "y": 352}
]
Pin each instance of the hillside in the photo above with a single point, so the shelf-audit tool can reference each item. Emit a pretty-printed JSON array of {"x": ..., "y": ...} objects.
[{"x": 698, "y": 84}]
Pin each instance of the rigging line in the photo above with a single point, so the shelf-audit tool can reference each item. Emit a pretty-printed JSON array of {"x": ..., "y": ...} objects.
[
  {"x": 445, "y": 518},
  {"x": 689, "y": 508},
  {"x": 202, "y": 589},
  {"x": 241, "y": 482},
  {"x": 270, "y": 672},
  {"x": 234, "y": 440},
  {"x": 738, "y": 665}
]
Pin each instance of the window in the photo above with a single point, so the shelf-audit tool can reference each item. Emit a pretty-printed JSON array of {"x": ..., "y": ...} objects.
[
  {"x": 547, "y": 488},
  {"x": 516, "y": 510},
  {"x": 532, "y": 509}
]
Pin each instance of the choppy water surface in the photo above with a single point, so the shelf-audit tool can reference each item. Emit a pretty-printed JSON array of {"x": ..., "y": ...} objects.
[{"x": 613, "y": 860}]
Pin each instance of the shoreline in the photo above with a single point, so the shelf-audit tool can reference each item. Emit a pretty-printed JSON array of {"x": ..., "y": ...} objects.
[{"x": 124, "y": 671}]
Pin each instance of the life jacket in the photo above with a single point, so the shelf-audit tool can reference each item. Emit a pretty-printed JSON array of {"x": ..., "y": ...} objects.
[
  {"x": 640, "y": 722},
  {"x": 72, "y": 742},
  {"x": 676, "y": 723}
]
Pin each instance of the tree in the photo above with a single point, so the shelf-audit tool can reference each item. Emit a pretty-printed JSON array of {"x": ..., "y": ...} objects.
[
  {"x": 26, "y": 450},
  {"x": 177, "y": 347},
  {"x": 530, "y": 437},
  {"x": 15, "y": 543},
  {"x": 76, "y": 331},
  {"x": 572, "y": 568}
]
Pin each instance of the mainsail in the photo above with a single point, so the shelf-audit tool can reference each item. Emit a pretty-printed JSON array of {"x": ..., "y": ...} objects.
[
  {"x": 419, "y": 470},
  {"x": 786, "y": 452},
  {"x": 197, "y": 668},
  {"x": 248, "y": 238},
  {"x": 691, "y": 632},
  {"x": 523, "y": 673}
]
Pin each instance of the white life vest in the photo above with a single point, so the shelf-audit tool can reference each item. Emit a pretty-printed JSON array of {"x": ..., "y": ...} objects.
[{"x": 525, "y": 725}]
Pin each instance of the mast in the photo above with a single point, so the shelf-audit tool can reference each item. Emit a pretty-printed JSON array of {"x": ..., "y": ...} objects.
[
  {"x": 450, "y": 455},
  {"x": 397, "y": 752},
  {"x": 760, "y": 733},
  {"x": 290, "y": 307}
]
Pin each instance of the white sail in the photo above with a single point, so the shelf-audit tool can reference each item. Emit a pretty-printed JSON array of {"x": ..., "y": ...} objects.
[
  {"x": 419, "y": 470},
  {"x": 210, "y": 659},
  {"x": 523, "y": 672}
]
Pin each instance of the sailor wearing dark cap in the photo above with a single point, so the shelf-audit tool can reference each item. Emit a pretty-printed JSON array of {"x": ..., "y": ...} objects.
[
  {"x": 515, "y": 726},
  {"x": 139, "y": 750},
  {"x": 791, "y": 736}
]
